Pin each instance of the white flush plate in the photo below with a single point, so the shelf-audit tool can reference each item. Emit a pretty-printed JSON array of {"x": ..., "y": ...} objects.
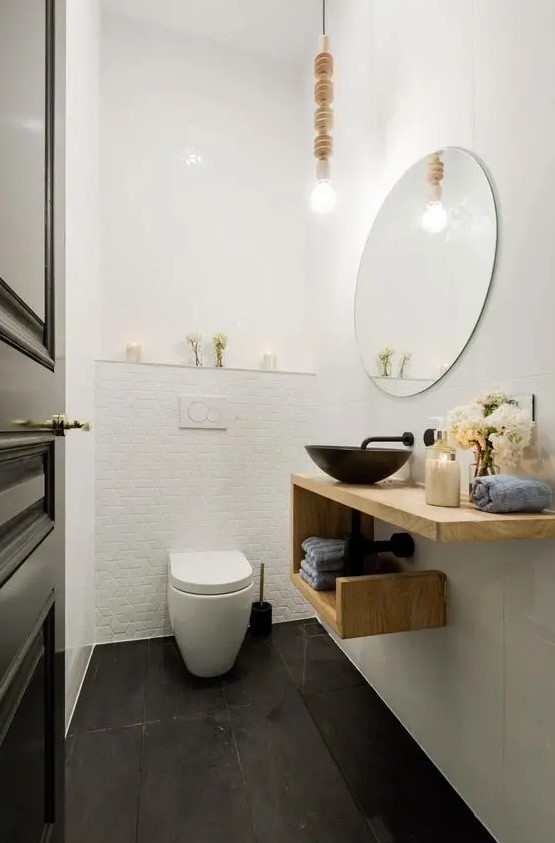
[{"x": 205, "y": 412}]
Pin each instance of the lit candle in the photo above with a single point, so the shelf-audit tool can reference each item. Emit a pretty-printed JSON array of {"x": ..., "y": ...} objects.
[
  {"x": 269, "y": 362},
  {"x": 443, "y": 481},
  {"x": 133, "y": 352}
]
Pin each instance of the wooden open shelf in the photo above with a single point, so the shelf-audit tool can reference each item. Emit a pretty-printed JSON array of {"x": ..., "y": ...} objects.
[
  {"x": 380, "y": 603},
  {"x": 405, "y": 507},
  {"x": 393, "y": 602},
  {"x": 363, "y": 605}
]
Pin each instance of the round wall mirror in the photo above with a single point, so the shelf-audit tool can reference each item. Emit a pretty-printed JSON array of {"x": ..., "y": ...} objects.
[{"x": 425, "y": 272}]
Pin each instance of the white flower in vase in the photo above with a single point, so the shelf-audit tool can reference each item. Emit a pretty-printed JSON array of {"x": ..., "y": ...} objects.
[
  {"x": 220, "y": 344},
  {"x": 405, "y": 360},
  {"x": 194, "y": 341},
  {"x": 495, "y": 428},
  {"x": 511, "y": 434},
  {"x": 384, "y": 359}
]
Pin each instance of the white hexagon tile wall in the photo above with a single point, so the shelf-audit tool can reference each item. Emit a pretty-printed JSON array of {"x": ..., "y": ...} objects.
[{"x": 159, "y": 486}]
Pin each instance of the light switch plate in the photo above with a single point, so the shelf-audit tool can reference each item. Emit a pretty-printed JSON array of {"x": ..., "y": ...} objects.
[
  {"x": 204, "y": 412},
  {"x": 528, "y": 404}
]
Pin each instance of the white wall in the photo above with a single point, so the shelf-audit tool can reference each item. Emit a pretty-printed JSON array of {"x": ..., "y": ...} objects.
[
  {"x": 161, "y": 487},
  {"x": 212, "y": 246},
  {"x": 82, "y": 172},
  {"x": 479, "y": 695},
  {"x": 216, "y": 245}
]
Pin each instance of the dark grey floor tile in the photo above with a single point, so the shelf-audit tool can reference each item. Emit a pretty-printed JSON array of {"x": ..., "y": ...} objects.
[
  {"x": 313, "y": 659},
  {"x": 312, "y": 628},
  {"x": 102, "y": 786},
  {"x": 114, "y": 688},
  {"x": 284, "y": 635},
  {"x": 171, "y": 691},
  {"x": 68, "y": 749},
  {"x": 401, "y": 792},
  {"x": 192, "y": 787},
  {"x": 258, "y": 675},
  {"x": 296, "y": 791},
  {"x": 327, "y": 667}
]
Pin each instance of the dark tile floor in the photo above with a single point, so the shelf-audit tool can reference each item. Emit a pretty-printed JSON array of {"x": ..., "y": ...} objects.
[{"x": 292, "y": 746}]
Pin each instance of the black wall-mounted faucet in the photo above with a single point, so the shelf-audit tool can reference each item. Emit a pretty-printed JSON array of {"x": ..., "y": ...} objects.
[{"x": 407, "y": 439}]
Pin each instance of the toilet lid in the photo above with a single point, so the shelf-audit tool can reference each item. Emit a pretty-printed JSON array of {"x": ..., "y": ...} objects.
[{"x": 210, "y": 572}]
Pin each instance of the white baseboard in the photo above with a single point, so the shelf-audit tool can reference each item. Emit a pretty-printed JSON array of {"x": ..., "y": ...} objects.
[{"x": 75, "y": 676}]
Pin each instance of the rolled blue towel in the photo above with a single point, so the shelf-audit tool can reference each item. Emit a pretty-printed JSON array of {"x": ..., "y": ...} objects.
[
  {"x": 509, "y": 493},
  {"x": 321, "y": 582}
]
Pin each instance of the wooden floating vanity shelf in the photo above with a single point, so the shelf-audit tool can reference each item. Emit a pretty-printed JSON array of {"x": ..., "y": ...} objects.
[{"x": 397, "y": 602}]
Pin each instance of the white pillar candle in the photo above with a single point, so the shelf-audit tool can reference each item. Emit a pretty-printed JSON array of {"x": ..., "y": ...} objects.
[
  {"x": 133, "y": 352},
  {"x": 443, "y": 481},
  {"x": 269, "y": 362}
]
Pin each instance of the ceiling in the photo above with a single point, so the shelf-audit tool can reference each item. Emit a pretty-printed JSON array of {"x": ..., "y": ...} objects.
[{"x": 285, "y": 29}]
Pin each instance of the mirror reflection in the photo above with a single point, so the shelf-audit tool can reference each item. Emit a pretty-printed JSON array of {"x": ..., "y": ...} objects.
[{"x": 425, "y": 272}]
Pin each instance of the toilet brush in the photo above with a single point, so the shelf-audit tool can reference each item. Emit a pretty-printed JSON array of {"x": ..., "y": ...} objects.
[{"x": 261, "y": 612}]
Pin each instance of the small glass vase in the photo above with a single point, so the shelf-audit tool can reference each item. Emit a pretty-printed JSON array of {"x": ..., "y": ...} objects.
[{"x": 479, "y": 469}]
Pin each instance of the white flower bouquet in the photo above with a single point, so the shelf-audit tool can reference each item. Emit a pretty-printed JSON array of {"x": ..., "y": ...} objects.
[{"x": 495, "y": 427}]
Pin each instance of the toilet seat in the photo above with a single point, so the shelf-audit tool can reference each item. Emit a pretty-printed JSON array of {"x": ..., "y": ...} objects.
[{"x": 210, "y": 572}]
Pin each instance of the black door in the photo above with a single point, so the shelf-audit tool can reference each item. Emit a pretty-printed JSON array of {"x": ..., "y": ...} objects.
[{"x": 31, "y": 455}]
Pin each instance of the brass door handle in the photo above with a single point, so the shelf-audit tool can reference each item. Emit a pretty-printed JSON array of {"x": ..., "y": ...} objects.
[{"x": 58, "y": 424}]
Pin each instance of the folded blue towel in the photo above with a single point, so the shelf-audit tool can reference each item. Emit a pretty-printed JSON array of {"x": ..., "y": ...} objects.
[
  {"x": 314, "y": 542},
  {"x": 313, "y": 571},
  {"x": 509, "y": 493},
  {"x": 325, "y": 554},
  {"x": 335, "y": 562},
  {"x": 323, "y": 581}
]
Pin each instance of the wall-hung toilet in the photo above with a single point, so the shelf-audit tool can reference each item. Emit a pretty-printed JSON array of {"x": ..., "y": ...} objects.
[{"x": 209, "y": 600}]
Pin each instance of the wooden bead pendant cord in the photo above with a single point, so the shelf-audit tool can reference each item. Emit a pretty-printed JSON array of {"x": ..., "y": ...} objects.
[
  {"x": 435, "y": 171},
  {"x": 323, "y": 95}
]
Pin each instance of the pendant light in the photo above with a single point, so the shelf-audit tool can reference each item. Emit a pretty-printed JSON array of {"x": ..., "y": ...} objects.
[
  {"x": 323, "y": 198},
  {"x": 434, "y": 218}
]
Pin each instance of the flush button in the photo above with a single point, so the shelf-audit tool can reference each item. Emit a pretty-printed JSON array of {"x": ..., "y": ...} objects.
[
  {"x": 197, "y": 411},
  {"x": 203, "y": 412},
  {"x": 213, "y": 415}
]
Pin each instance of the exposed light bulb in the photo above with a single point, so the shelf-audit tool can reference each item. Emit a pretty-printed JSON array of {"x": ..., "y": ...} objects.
[
  {"x": 191, "y": 158},
  {"x": 323, "y": 198},
  {"x": 434, "y": 218}
]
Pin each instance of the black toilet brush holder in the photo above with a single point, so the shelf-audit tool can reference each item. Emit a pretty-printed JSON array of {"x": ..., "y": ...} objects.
[{"x": 261, "y": 611}]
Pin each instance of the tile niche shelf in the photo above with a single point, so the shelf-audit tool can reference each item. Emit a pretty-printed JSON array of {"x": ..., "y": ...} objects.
[
  {"x": 205, "y": 368},
  {"x": 397, "y": 602}
]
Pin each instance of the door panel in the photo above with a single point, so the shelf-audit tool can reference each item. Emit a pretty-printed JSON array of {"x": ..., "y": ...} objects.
[
  {"x": 27, "y": 91},
  {"x": 22, "y": 144},
  {"x": 26, "y": 738},
  {"x": 32, "y": 385},
  {"x": 27, "y": 505}
]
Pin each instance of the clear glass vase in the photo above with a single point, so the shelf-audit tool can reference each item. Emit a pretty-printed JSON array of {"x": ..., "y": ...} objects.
[{"x": 480, "y": 469}]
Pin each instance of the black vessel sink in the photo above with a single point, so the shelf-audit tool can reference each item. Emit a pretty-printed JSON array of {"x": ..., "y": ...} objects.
[{"x": 358, "y": 465}]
